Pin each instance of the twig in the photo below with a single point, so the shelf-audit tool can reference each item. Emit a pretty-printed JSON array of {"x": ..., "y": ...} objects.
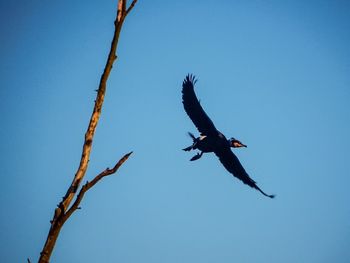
[
  {"x": 130, "y": 7},
  {"x": 90, "y": 184}
]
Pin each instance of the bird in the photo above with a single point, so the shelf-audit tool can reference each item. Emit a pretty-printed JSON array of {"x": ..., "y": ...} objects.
[{"x": 210, "y": 139}]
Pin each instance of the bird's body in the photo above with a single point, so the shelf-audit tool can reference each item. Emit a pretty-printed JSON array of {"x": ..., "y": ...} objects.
[
  {"x": 206, "y": 143},
  {"x": 212, "y": 140}
]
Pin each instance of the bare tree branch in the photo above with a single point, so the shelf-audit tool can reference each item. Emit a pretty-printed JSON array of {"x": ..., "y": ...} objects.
[
  {"x": 62, "y": 212},
  {"x": 130, "y": 7},
  {"x": 96, "y": 112},
  {"x": 90, "y": 184}
]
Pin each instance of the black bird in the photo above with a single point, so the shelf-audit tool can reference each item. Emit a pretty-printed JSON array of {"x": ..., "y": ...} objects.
[{"x": 212, "y": 140}]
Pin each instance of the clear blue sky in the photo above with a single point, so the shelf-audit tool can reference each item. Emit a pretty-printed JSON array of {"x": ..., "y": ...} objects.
[{"x": 274, "y": 74}]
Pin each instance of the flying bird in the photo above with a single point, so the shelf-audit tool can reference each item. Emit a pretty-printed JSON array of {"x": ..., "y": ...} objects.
[{"x": 210, "y": 139}]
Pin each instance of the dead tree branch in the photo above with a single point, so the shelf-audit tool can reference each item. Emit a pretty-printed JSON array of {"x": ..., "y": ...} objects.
[
  {"x": 90, "y": 184},
  {"x": 63, "y": 212},
  {"x": 130, "y": 7}
]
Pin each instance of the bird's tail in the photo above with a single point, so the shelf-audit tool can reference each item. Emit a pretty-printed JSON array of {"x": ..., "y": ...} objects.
[{"x": 192, "y": 136}]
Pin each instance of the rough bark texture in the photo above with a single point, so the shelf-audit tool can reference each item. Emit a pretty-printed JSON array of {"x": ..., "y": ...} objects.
[{"x": 63, "y": 210}]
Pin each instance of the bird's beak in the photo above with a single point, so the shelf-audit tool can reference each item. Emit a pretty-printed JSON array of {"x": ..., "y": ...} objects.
[{"x": 237, "y": 144}]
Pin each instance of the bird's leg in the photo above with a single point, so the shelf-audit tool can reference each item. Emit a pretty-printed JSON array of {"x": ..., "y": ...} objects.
[
  {"x": 192, "y": 147},
  {"x": 197, "y": 156},
  {"x": 187, "y": 149}
]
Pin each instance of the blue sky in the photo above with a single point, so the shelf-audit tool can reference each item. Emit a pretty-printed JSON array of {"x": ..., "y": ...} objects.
[{"x": 274, "y": 74}]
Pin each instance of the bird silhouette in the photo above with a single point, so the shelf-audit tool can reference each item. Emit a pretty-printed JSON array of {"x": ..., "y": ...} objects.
[{"x": 210, "y": 139}]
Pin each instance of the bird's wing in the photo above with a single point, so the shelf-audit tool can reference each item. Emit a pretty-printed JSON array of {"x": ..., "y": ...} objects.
[
  {"x": 233, "y": 165},
  {"x": 193, "y": 108}
]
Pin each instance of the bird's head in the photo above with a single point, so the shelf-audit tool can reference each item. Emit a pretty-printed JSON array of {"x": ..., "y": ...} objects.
[{"x": 236, "y": 143}]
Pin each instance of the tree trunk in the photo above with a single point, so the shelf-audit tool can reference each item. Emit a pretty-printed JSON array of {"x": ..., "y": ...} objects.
[{"x": 64, "y": 210}]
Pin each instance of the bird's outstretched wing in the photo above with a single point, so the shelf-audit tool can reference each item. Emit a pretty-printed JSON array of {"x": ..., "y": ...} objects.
[
  {"x": 233, "y": 165},
  {"x": 193, "y": 108}
]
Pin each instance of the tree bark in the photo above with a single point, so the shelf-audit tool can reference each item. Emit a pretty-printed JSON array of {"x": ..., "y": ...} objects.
[{"x": 63, "y": 210}]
